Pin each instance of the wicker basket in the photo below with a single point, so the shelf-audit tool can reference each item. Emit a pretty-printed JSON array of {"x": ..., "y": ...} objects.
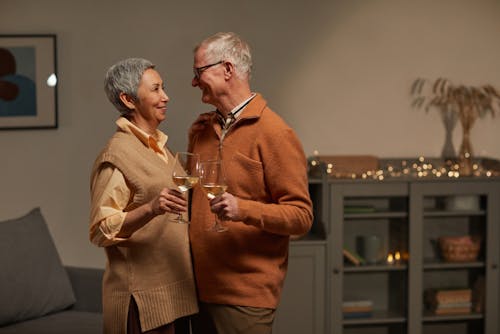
[{"x": 460, "y": 249}]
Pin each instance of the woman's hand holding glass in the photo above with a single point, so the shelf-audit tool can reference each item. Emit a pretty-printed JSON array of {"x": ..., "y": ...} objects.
[
  {"x": 169, "y": 200},
  {"x": 185, "y": 174}
]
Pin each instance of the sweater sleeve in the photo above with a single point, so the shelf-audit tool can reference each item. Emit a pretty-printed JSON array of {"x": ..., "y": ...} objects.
[{"x": 285, "y": 171}]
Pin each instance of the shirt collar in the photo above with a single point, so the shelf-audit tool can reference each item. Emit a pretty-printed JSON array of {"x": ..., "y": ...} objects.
[
  {"x": 234, "y": 113},
  {"x": 156, "y": 142},
  {"x": 237, "y": 110}
]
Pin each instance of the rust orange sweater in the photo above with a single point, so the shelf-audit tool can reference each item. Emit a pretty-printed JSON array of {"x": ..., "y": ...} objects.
[{"x": 265, "y": 167}]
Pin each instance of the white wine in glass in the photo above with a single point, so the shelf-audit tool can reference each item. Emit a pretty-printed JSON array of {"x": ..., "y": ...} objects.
[
  {"x": 185, "y": 175},
  {"x": 213, "y": 190},
  {"x": 213, "y": 183},
  {"x": 184, "y": 183}
]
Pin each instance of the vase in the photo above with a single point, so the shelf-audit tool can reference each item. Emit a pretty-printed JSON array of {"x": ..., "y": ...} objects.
[
  {"x": 465, "y": 154},
  {"x": 449, "y": 118}
]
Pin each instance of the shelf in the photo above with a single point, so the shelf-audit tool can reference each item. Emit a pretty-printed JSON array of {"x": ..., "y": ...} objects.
[
  {"x": 374, "y": 268},
  {"x": 377, "y": 318},
  {"x": 439, "y": 265},
  {"x": 429, "y": 317},
  {"x": 462, "y": 213},
  {"x": 376, "y": 215}
]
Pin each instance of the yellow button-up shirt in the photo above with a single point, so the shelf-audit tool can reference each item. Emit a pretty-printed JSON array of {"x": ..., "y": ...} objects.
[{"x": 112, "y": 196}]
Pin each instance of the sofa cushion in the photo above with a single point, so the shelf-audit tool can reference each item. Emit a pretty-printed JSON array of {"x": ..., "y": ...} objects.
[
  {"x": 33, "y": 282},
  {"x": 87, "y": 287},
  {"x": 66, "y": 322}
]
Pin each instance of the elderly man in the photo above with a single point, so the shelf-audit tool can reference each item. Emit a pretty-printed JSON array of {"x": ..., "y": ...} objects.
[{"x": 240, "y": 272}]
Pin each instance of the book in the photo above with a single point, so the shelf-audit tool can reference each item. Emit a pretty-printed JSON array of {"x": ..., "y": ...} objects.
[
  {"x": 356, "y": 315},
  {"x": 453, "y": 310},
  {"x": 447, "y": 296},
  {"x": 478, "y": 294},
  {"x": 453, "y": 305},
  {"x": 357, "y": 308},
  {"x": 358, "y": 303},
  {"x": 353, "y": 257},
  {"x": 359, "y": 209}
]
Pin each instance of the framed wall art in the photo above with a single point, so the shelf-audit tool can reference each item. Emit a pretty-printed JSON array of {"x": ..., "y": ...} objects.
[{"x": 28, "y": 82}]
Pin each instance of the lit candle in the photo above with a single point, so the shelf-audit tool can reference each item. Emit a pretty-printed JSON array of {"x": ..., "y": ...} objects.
[
  {"x": 390, "y": 259},
  {"x": 397, "y": 256}
]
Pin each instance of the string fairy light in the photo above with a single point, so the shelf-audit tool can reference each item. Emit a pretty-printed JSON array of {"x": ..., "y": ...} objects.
[{"x": 420, "y": 168}]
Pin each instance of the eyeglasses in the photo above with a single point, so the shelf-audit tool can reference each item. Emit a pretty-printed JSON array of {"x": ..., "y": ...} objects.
[{"x": 198, "y": 70}]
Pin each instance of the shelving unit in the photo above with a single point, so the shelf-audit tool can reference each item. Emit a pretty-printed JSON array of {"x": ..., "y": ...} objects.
[
  {"x": 385, "y": 285},
  {"x": 431, "y": 219},
  {"x": 409, "y": 215}
]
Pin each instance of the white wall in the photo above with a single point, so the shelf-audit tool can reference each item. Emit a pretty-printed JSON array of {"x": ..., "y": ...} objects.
[{"x": 338, "y": 71}]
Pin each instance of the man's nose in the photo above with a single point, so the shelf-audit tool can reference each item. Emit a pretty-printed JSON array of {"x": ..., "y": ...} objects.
[{"x": 194, "y": 82}]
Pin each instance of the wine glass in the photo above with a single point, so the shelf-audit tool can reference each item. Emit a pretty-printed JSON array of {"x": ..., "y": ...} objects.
[
  {"x": 213, "y": 183},
  {"x": 185, "y": 175}
]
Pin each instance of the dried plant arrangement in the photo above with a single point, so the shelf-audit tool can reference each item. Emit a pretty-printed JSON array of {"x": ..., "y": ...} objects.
[{"x": 467, "y": 103}]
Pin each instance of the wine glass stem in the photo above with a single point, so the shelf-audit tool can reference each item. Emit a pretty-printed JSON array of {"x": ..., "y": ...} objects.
[{"x": 218, "y": 227}]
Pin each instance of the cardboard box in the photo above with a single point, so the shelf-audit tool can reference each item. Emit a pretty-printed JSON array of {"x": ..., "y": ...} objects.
[{"x": 347, "y": 165}]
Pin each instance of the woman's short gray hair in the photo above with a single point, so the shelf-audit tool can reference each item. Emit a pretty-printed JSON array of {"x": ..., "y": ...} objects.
[
  {"x": 228, "y": 46},
  {"x": 124, "y": 77}
]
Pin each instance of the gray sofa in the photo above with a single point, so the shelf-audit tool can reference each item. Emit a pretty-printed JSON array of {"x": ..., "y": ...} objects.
[{"x": 38, "y": 295}]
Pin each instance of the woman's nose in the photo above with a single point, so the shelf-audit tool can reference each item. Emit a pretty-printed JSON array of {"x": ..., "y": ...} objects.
[{"x": 165, "y": 96}]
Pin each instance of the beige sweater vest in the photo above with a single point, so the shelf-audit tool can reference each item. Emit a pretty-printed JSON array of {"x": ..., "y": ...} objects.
[{"x": 153, "y": 265}]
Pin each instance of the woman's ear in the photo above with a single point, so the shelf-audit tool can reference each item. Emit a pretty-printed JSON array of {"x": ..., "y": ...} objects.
[{"x": 127, "y": 100}]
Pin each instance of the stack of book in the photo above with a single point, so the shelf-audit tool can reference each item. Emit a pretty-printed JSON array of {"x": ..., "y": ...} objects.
[
  {"x": 357, "y": 309},
  {"x": 449, "y": 301}
]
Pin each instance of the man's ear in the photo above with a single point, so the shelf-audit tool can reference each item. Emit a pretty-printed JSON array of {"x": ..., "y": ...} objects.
[
  {"x": 127, "y": 100},
  {"x": 228, "y": 69}
]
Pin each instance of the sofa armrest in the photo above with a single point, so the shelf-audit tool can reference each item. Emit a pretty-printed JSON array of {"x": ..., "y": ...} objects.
[{"x": 87, "y": 287}]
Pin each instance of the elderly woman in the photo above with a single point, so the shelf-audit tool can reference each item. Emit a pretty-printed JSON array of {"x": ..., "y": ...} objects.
[{"x": 148, "y": 281}]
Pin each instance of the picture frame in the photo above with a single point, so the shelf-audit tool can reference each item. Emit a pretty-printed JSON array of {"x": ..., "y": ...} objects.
[{"x": 28, "y": 82}]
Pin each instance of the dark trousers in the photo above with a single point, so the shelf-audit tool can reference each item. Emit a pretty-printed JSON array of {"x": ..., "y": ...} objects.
[
  {"x": 230, "y": 319},
  {"x": 180, "y": 326}
]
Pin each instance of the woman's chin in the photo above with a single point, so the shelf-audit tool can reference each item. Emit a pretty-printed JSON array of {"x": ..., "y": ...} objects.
[{"x": 161, "y": 117}]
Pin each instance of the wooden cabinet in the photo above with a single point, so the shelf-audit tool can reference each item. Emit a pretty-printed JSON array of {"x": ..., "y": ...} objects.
[
  {"x": 303, "y": 304},
  {"x": 465, "y": 207},
  {"x": 302, "y": 307},
  {"x": 408, "y": 216},
  {"x": 361, "y": 210}
]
